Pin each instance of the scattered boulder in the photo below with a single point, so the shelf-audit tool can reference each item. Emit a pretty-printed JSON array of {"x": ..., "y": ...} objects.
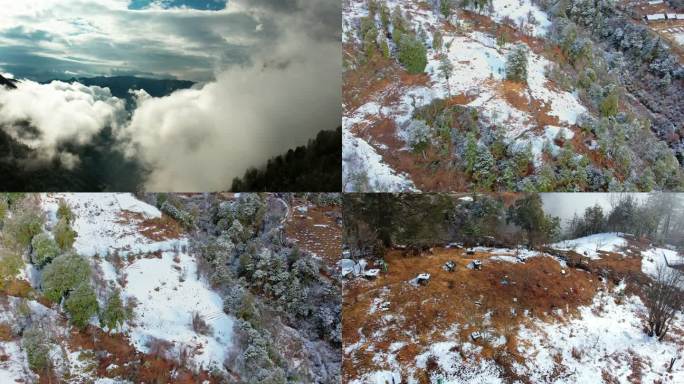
[
  {"x": 351, "y": 268},
  {"x": 371, "y": 273},
  {"x": 421, "y": 279},
  {"x": 475, "y": 265},
  {"x": 449, "y": 266}
]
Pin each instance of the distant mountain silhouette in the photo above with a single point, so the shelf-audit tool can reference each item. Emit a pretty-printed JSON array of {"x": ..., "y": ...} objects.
[
  {"x": 314, "y": 168},
  {"x": 9, "y": 83},
  {"x": 119, "y": 85}
]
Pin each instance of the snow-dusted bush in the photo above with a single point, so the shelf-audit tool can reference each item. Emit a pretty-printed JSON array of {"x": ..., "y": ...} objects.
[
  {"x": 65, "y": 273},
  {"x": 663, "y": 300},
  {"x": 238, "y": 233},
  {"x": 257, "y": 358},
  {"x": 516, "y": 64},
  {"x": 26, "y": 221},
  {"x": 250, "y": 209},
  {"x": 64, "y": 234},
  {"x": 412, "y": 54},
  {"x": 81, "y": 305},
  {"x": 417, "y": 135},
  {"x": 114, "y": 314},
  {"x": 44, "y": 249},
  {"x": 37, "y": 346},
  {"x": 184, "y": 218}
]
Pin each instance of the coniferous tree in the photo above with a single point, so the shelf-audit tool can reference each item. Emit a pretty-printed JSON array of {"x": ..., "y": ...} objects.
[
  {"x": 412, "y": 54},
  {"x": 114, "y": 314},
  {"x": 81, "y": 305},
  {"x": 516, "y": 64}
]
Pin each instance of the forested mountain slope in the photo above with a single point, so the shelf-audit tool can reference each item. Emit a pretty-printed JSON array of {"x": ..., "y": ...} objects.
[{"x": 509, "y": 95}]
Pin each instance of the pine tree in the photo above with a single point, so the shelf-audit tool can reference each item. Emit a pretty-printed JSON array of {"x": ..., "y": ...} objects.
[
  {"x": 516, "y": 64},
  {"x": 64, "y": 274},
  {"x": 483, "y": 169},
  {"x": 114, "y": 313},
  {"x": 470, "y": 152},
  {"x": 384, "y": 47},
  {"x": 437, "y": 41},
  {"x": 64, "y": 212},
  {"x": 25, "y": 222},
  {"x": 412, "y": 54},
  {"x": 445, "y": 69},
  {"x": 609, "y": 105},
  {"x": 528, "y": 214},
  {"x": 37, "y": 346},
  {"x": 370, "y": 41},
  {"x": 44, "y": 249},
  {"x": 385, "y": 16},
  {"x": 398, "y": 25},
  {"x": 64, "y": 235},
  {"x": 418, "y": 135},
  {"x": 445, "y": 8},
  {"x": 81, "y": 305}
]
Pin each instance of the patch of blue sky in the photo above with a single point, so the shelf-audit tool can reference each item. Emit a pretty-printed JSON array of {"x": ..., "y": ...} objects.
[{"x": 208, "y": 5}]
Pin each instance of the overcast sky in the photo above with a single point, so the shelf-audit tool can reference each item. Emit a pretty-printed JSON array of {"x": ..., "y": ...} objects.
[
  {"x": 268, "y": 73},
  {"x": 566, "y": 205},
  {"x": 188, "y": 39}
]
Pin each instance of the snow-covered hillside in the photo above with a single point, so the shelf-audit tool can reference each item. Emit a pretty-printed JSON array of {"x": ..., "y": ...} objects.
[
  {"x": 168, "y": 294},
  {"x": 158, "y": 273},
  {"x": 549, "y": 118}
]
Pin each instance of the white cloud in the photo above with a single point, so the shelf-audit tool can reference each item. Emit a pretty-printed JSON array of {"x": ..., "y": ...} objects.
[
  {"x": 200, "y": 139},
  {"x": 101, "y": 36},
  {"x": 60, "y": 112}
]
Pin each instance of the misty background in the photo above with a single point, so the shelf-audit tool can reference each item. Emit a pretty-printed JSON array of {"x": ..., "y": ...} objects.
[{"x": 565, "y": 205}]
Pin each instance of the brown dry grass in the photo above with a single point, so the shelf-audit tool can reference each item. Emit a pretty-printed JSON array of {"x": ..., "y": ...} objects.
[
  {"x": 18, "y": 288},
  {"x": 157, "y": 229},
  {"x": 5, "y": 332},
  {"x": 325, "y": 241},
  {"x": 138, "y": 367},
  {"x": 461, "y": 297}
]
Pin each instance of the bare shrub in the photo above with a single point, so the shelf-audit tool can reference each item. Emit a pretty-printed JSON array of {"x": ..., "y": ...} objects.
[
  {"x": 663, "y": 299},
  {"x": 159, "y": 348},
  {"x": 199, "y": 325},
  {"x": 577, "y": 353}
]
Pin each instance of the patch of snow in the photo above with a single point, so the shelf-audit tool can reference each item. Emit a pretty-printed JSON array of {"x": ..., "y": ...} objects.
[
  {"x": 456, "y": 369},
  {"x": 508, "y": 259},
  {"x": 564, "y": 105},
  {"x": 166, "y": 304},
  {"x": 102, "y": 227},
  {"x": 590, "y": 245},
  {"x": 653, "y": 258},
  {"x": 379, "y": 377},
  {"x": 518, "y": 11},
  {"x": 606, "y": 337},
  {"x": 359, "y": 158}
]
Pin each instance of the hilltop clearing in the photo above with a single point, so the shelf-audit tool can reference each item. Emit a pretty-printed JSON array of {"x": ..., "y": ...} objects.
[{"x": 525, "y": 316}]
